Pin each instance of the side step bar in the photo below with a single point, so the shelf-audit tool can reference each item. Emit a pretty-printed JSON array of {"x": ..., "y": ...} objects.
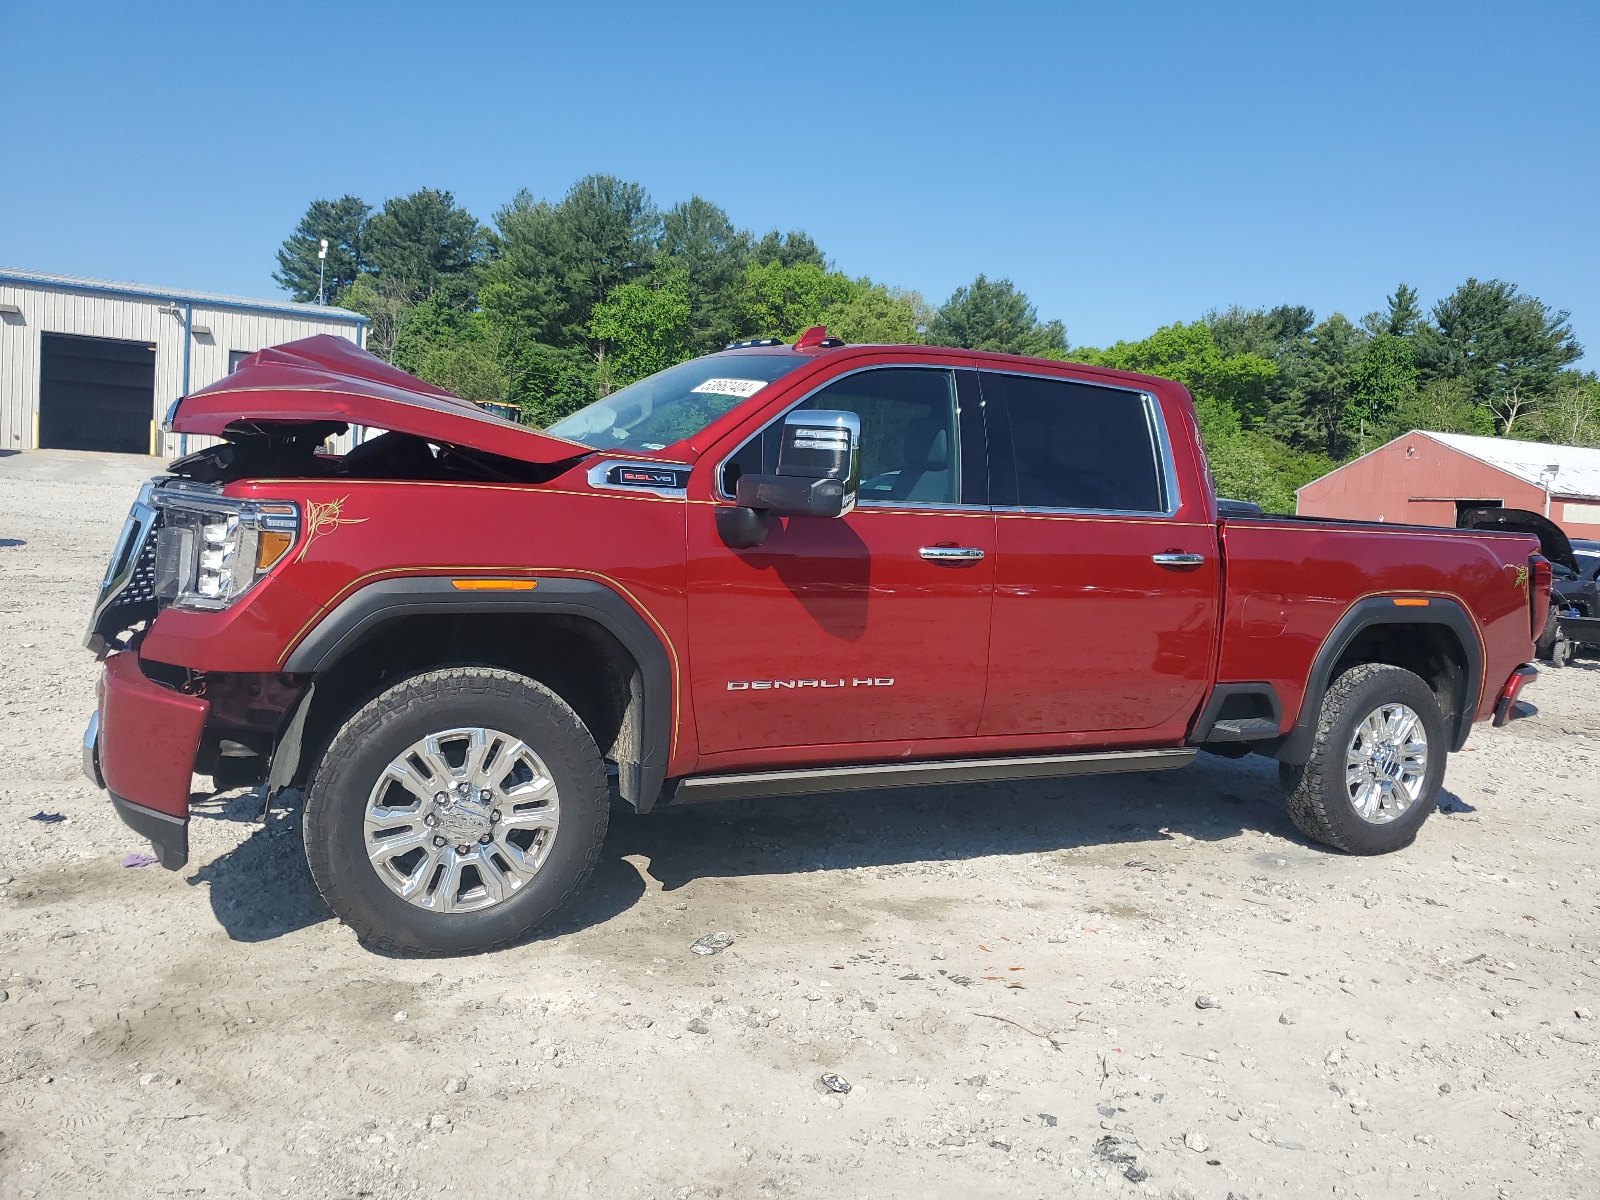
[{"x": 806, "y": 781}]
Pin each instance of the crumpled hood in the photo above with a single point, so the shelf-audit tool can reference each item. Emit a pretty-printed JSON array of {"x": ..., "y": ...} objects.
[{"x": 327, "y": 378}]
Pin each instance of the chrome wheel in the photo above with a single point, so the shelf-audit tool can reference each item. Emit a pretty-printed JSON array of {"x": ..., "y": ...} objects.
[
  {"x": 1386, "y": 763},
  {"x": 461, "y": 820}
]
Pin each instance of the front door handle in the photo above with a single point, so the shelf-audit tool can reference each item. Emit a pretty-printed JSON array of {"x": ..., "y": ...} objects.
[
  {"x": 1178, "y": 562},
  {"x": 951, "y": 554}
]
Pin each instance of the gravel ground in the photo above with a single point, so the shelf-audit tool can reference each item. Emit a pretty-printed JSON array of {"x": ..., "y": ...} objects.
[{"x": 1143, "y": 985}]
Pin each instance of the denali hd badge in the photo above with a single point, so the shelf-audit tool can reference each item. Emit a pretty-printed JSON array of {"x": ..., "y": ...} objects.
[{"x": 761, "y": 685}]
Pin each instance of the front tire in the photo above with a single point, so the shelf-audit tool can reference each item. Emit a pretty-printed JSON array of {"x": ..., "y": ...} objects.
[
  {"x": 455, "y": 812},
  {"x": 1376, "y": 764}
]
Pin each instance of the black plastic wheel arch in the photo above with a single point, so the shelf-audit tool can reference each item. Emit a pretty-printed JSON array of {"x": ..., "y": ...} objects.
[
  {"x": 1382, "y": 610},
  {"x": 360, "y": 615}
]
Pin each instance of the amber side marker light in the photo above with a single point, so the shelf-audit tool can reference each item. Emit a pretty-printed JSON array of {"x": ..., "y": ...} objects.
[
  {"x": 1409, "y": 602},
  {"x": 271, "y": 545},
  {"x": 494, "y": 585}
]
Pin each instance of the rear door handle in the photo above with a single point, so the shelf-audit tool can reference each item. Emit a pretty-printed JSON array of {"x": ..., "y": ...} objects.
[
  {"x": 951, "y": 554},
  {"x": 1178, "y": 562}
]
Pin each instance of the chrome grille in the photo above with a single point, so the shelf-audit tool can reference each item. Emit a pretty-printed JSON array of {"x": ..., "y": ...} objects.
[
  {"x": 141, "y": 585},
  {"x": 127, "y": 594}
]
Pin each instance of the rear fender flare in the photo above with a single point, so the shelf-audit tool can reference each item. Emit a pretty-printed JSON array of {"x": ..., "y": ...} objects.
[
  {"x": 361, "y": 614},
  {"x": 1382, "y": 610}
]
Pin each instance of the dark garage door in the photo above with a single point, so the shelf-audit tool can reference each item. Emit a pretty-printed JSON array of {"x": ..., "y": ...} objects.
[{"x": 96, "y": 393}]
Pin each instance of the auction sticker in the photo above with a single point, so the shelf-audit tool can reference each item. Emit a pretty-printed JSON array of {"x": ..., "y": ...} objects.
[{"x": 731, "y": 387}]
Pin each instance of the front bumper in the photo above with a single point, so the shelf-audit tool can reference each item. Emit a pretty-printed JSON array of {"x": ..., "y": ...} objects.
[{"x": 140, "y": 746}]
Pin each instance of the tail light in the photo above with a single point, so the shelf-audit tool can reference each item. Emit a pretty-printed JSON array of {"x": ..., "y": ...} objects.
[{"x": 1538, "y": 593}]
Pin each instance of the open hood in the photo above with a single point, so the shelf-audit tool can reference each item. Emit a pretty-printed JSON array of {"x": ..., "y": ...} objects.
[
  {"x": 1553, "y": 541},
  {"x": 328, "y": 379}
]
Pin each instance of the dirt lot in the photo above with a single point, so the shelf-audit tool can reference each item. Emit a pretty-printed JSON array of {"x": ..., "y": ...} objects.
[{"x": 1017, "y": 980}]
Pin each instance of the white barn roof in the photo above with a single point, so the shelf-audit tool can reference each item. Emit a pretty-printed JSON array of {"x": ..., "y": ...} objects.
[{"x": 1577, "y": 467}]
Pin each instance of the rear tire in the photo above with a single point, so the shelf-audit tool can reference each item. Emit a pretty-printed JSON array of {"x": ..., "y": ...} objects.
[
  {"x": 1367, "y": 788},
  {"x": 455, "y": 812}
]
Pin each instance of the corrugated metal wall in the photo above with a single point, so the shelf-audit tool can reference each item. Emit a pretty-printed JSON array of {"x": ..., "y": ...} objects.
[{"x": 51, "y": 309}]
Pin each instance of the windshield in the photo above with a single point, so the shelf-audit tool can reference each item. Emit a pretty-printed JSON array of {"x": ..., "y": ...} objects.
[
  {"x": 1588, "y": 564},
  {"x": 674, "y": 404}
]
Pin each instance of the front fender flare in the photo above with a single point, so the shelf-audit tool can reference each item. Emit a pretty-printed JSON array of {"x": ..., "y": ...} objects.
[{"x": 363, "y": 612}]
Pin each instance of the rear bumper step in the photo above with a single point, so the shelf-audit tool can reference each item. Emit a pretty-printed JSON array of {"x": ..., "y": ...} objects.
[{"x": 704, "y": 789}]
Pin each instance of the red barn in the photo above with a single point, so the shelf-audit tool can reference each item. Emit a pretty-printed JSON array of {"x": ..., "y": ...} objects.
[{"x": 1426, "y": 478}]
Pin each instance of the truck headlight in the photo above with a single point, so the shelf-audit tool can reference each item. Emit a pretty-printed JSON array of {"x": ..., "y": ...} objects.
[{"x": 210, "y": 552}]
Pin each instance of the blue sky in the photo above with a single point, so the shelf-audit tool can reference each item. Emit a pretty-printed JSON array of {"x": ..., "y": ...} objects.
[{"x": 1127, "y": 164}]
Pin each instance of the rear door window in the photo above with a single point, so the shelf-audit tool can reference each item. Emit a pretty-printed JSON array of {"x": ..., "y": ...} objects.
[{"x": 1075, "y": 446}]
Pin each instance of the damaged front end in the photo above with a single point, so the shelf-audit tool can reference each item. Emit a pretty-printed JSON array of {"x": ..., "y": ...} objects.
[
  {"x": 183, "y": 545},
  {"x": 192, "y": 548}
]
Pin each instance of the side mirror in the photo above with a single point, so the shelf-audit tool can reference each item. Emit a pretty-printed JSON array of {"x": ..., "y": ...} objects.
[{"x": 819, "y": 471}]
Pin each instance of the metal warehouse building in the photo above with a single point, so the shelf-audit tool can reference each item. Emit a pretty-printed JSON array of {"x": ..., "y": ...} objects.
[
  {"x": 1428, "y": 478},
  {"x": 86, "y": 364}
]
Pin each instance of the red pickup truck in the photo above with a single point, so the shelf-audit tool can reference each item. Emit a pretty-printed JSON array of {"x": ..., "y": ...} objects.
[{"x": 778, "y": 569}]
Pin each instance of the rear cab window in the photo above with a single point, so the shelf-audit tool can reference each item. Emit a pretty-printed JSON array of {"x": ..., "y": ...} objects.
[{"x": 1059, "y": 444}]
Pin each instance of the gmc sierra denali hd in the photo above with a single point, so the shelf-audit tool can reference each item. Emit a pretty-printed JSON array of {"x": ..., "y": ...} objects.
[{"x": 777, "y": 569}]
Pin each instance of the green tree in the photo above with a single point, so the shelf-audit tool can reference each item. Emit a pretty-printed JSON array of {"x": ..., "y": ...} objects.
[
  {"x": 994, "y": 315},
  {"x": 877, "y": 315},
  {"x": 1571, "y": 414},
  {"x": 548, "y": 382},
  {"x": 1402, "y": 318},
  {"x": 1507, "y": 348},
  {"x": 1189, "y": 354},
  {"x": 780, "y": 301},
  {"x": 1384, "y": 379},
  {"x": 698, "y": 238},
  {"x": 1334, "y": 349},
  {"x": 454, "y": 346},
  {"x": 1282, "y": 336},
  {"x": 556, "y": 262},
  {"x": 387, "y": 302},
  {"x": 343, "y": 222},
  {"x": 426, "y": 239},
  {"x": 791, "y": 249},
  {"x": 1439, "y": 406},
  {"x": 640, "y": 329}
]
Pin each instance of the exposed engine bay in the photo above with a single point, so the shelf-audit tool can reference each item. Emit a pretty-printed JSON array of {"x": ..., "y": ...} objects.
[{"x": 296, "y": 450}]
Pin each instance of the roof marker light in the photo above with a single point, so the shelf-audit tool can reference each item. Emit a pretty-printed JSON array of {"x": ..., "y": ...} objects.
[{"x": 812, "y": 337}]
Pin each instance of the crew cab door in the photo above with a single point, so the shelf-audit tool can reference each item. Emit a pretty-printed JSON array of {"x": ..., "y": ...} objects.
[
  {"x": 870, "y": 627},
  {"x": 1105, "y": 600}
]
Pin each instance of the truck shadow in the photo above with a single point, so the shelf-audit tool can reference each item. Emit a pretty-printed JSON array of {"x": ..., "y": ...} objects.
[
  {"x": 1213, "y": 800},
  {"x": 262, "y": 888}
]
